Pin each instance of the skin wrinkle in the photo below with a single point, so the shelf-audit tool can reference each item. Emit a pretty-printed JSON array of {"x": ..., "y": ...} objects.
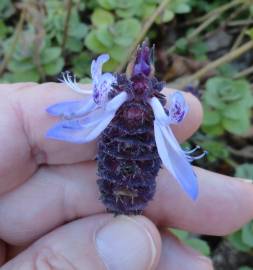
[
  {"x": 48, "y": 257},
  {"x": 25, "y": 226},
  {"x": 36, "y": 153},
  {"x": 20, "y": 150}
]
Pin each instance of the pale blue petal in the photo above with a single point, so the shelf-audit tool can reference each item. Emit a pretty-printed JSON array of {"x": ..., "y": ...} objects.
[
  {"x": 175, "y": 160},
  {"x": 96, "y": 66},
  {"x": 116, "y": 102},
  {"x": 71, "y": 109},
  {"x": 177, "y": 108},
  {"x": 88, "y": 121},
  {"x": 102, "y": 87},
  {"x": 75, "y": 132},
  {"x": 158, "y": 110}
]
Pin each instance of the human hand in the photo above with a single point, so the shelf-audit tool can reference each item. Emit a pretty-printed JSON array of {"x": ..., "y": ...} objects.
[{"x": 50, "y": 215}]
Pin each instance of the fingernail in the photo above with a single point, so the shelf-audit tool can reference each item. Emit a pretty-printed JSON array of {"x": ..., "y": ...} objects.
[{"x": 126, "y": 244}]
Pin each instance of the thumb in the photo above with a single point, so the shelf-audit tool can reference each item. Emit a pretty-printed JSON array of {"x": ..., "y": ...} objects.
[{"x": 97, "y": 242}]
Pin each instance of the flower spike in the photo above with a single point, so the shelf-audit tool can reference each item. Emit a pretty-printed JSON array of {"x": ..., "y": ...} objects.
[{"x": 134, "y": 120}]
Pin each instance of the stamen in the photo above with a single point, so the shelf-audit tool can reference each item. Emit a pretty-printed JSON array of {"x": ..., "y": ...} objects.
[
  {"x": 191, "y": 159},
  {"x": 193, "y": 150},
  {"x": 66, "y": 78}
]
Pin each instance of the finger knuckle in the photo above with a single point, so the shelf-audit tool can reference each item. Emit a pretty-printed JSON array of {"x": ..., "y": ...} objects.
[{"x": 50, "y": 259}]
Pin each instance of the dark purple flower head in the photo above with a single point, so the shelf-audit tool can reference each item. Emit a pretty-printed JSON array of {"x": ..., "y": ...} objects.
[{"x": 124, "y": 110}]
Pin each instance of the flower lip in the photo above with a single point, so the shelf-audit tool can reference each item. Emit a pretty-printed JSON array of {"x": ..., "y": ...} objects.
[
  {"x": 102, "y": 83},
  {"x": 177, "y": 108}
]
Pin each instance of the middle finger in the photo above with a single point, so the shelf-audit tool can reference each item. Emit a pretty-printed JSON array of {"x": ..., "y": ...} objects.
[{"x": 58, "y": 194}]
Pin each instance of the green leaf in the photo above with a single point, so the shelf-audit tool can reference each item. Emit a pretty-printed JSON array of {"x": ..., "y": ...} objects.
[
  {"x": 50, "y": 54},
  {"x": 148, "y": 10},
  {"x": 245, "y": 268},
  {"x": 4, "y": 30},
  {"x": 108, "y": 4},
  {"x": 250, "y": 33},
  {"x": 21, "y": 66},
  {"x": 236, "y": 240},
  {"x": 211, "y": 117},
  {"x": 110, "y": 65},
  {"x": 86, "y": 80},
  {"x": 55, "y": 67},
  {"x": 123, "y": 4},
  {"x": 166, "y": 16},
  {"x": 104, "y": 36},
  {"x": 237, "y": 127},
  {"x": 199, "y": 245},
  {"x": 182, "y": 45},
  {"x": 125, "y": 31},
  {"x": 234, "y": 111},
  {"x": 26, "y": 76},
  {"x": 182, "y": 235},
  {"x": 213, "y": 87},
  {"x": 247, "y": 234},
  {"x": 78, "y": 30},
  {"x": 127, "y": 13},
  {"x": 198, "y": 48},
  {"x": 216, "y": 150},
  {"x": 94, "y": 44},
  {"x": 227, "y": 70},
  {"x": 81, "y": 64},
  {"x": 101, "y": 17},
  {"x": 214, "y": 130},
  {"x": 118, "y": 53},
  {"x": 181, "y": 8},
  {"x": 74, "y": 45},
  {"x": 245, "y": 171}
]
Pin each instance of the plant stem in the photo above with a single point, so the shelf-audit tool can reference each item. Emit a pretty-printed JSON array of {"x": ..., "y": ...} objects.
[
  {"x": 224, "y": 24},
  {"x": 221, "y": 9},
  {"x": 16, "y": 35},
  {"x": 197, "y": 31},
  {"x": 222, "y": 60},
  {"x": 145, "y": 28},
  {"x": 66, "y": 24},
  {"x": 239, "y": 39},
  {"x": 244, "y": 73},
  {"x": 207, "y": 20}
]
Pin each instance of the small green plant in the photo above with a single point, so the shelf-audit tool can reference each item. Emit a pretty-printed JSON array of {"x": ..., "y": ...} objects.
[
  {"x": 192, "y": 241},
  {"x": 245, "y": 171},
  {"x": 227, "y": 105},
  {"x": 243, "y": 238},
  {"x": 29, "y": 62},
  {"x": 217, "y": 150},
  {"x": 245, "y": 268}
]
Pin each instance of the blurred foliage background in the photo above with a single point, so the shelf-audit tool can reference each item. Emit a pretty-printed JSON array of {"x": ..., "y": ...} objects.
[{"x": 203, "y": 47}]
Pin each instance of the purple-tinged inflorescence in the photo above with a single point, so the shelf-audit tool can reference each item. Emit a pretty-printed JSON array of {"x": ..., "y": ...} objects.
[{"x": 131, "y": 118}]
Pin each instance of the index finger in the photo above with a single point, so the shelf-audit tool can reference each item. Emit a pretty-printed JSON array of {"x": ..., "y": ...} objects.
[{"x": 25, "y": 122}]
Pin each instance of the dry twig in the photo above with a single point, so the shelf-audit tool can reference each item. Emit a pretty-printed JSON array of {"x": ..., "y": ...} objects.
[
  {"x": 16, "y": 35},
  {"x": 66, "y": 24},
  {"x": 222, "y": 60}
]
